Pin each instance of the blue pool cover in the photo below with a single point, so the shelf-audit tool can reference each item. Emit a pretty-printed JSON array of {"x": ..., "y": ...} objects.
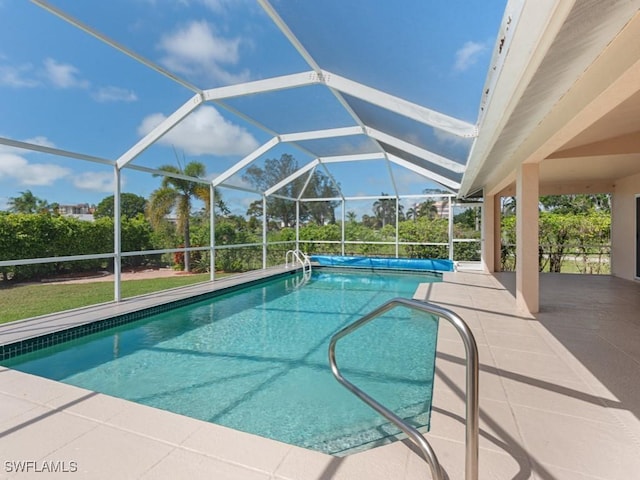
[{"x": 432, "y": 264}]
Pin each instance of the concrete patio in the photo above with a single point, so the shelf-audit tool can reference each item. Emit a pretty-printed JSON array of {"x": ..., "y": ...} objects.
[{"x": 559, "y": 399}]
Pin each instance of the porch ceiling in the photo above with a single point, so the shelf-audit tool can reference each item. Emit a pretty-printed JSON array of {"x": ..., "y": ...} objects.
[{"x": 579, "y": 116}]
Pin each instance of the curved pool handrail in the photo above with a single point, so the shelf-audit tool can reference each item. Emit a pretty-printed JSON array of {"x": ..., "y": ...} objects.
[
  {"x": 472, "y": 409},
  {"x": 302, "y": 258}
]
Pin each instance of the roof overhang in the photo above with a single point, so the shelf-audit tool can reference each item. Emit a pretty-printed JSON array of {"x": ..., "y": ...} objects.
[{"x": 567, "y": 97}]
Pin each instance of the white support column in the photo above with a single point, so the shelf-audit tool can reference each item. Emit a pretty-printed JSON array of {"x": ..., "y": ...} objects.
[
  {"x": 212, "y": 233},
  {"x": 451, "y": 228},
  {"x": 117, "y": 236},
  {"x": 397, "y": 222},
  {"x": 527, "y": 276},
  {"x": 297, "y": 224},
  {"x": 488, "y": 234},
  {"x": 497, "y": 234},
  {"x": 344, "y": 216},
  {"x": 264, "y": 232}
]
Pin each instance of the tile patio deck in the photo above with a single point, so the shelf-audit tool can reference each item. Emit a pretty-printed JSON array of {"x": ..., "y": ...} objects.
[{"x": 559, "y": 399}]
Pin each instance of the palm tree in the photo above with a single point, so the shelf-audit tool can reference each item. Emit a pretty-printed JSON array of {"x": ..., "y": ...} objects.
[
  {"x": 428, "y": 209},
  {"x": 413, "y": 213},
  {"x": 177, "y": 193},
  {"x": 351, "y": 216},
  {"x": 27, "y": 202},
  {"x": 385, "y": 210}
]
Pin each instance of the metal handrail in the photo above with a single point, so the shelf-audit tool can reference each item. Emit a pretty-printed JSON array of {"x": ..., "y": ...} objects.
[
  {"x": 302, "y": 258},
  {"x": 472, "y": 409}
]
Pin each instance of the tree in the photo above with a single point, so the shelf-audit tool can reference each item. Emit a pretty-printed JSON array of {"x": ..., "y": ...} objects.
[
  {"x": 428, "y": 209},
  {"x": 469, "y": 218},
  {"x": 178, "y": 193},
  {"x": 577, "y": 204},
  {"x": 130, "y": 206},
  {"x": 283, "y": 210},
  {"x": 413, "y": 213},
  {"x": 385, "y": 210},
  {"x": 27, "y": 202},
  {"x": 351, "y": 216},
  {"x": 273, "y": 172},
  {"x": 320, "y": 186}
]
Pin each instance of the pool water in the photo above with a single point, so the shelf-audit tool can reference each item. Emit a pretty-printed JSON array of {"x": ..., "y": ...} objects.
[{"x": 256, "y": 360}]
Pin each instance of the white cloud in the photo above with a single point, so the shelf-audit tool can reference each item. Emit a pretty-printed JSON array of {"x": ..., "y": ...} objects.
[
  {"x": 468, "y": 55},
  {"x": 63, "y": 75},
  {"x": 204, "y": 132},
  {"x": 197, "y": 50},
  {"x": 17, "y": 76},
  {"x": 42, "y": 141},
  {"x": 25, "y": 173},
  {"x": 95, "y": 181},
  {"x": 219, "y": 6},
  {"x": 114, "y": 94}
]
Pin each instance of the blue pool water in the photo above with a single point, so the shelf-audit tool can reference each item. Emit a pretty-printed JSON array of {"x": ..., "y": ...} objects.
[{"x": 256, "y": 360}]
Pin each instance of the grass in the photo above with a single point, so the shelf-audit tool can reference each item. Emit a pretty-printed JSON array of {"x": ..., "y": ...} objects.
[{"x": 26, "y": 301}]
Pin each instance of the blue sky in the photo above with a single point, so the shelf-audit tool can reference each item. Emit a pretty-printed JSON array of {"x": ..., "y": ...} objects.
[{"x": 62, "y": 88}]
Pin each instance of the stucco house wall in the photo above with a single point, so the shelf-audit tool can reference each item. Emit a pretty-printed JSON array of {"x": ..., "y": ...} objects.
[{"x": 623, "y": 227}]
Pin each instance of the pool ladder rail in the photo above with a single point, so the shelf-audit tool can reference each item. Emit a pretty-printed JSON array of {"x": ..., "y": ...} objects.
[
  {"x": 472, "y": 410},
  {"x": 293, "y": 257}
]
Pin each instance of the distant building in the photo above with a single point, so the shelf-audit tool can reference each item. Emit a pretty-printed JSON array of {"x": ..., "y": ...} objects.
[
  {"x": 443, "y": 208},
  {"x": 81, "y": 211}
]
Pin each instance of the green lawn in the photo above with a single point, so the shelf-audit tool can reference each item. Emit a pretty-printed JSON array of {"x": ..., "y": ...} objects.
[{"x": 25, "y": 301}]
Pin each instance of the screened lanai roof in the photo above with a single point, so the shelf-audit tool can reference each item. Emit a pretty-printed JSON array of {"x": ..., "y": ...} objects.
[{"x": 378, "y": 96}]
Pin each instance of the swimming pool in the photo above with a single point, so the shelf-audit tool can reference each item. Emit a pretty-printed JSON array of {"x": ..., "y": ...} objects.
[{"x": 256, "y": 360}]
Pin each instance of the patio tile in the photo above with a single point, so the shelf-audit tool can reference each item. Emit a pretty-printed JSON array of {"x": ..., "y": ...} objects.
[
  {"x": 301, "y": 464},
  {"x": 576, "y": 444},
  {"x": 237, "y": 447},
  {"x": 492, "y": 465},
  {"x": 95, "y": 406},
  {"x": 388, "y": 462},
  {"x": 151, "y": 422},
  {"x": 13, "y": 407},
  {"x": 193, "y": 466},
  {"x": 525, "y": 342},
  {"x": 569, "y": 398},
  {"x": 507, "y": 323},
  {"x": 446, "y": 331},
  {"x": 602, "y": 363},
  {"x": 39, "y": 432},
  {"x": 498, "y": 429},
  {"x": 33, "y": 388},
  {"x": 530, "y": 365},
  {"x": 627, "y": 340},
  {"x": 451, "y": 374},
  {"x": 129, "y": 455},
  {"x": 545, "y": 471}
]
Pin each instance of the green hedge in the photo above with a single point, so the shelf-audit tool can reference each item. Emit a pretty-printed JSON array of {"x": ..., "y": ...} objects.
[{"x": 24, "y": 236}]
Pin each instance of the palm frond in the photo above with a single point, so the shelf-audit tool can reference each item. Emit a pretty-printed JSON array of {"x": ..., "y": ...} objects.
[{"x": 160, "y": 204}]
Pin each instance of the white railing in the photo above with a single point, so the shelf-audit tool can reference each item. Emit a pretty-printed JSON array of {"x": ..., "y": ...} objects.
[{"x": 294, "y": 257}]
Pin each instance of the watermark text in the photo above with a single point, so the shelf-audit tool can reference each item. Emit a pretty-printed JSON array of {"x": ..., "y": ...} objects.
[{"x": 40, "y": 466}]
